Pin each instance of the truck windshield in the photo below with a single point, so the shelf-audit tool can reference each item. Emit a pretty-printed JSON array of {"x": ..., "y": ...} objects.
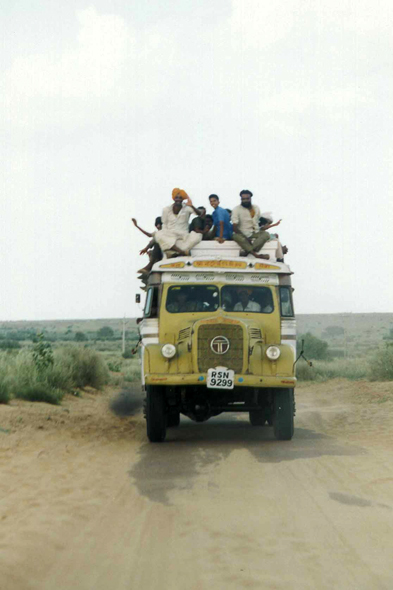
[
  {"x": 191, "y": 298},
  {"x": 247, "y": 299}
]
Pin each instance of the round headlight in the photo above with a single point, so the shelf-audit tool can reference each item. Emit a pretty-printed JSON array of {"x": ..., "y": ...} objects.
[
  {"x": 273, "y": 353},
  {"x": 168, "y": 351}
]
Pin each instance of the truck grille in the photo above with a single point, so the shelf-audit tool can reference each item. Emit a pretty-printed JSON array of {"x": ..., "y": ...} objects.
[{"x": 232, "y": 359}]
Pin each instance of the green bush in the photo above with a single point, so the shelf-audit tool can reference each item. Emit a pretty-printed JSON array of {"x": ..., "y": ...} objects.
[
  {"x": 80, "y": 337},
  {"x": 132, "y": 370},
  {"x": 59, "y": 376},
  {"x": 381, "y": 365},
  {"x": 114, "y": 366},
  {"x": 86, "y": 366},
  {"x": 128, "y": 354},
  {"x": 346, "y": 368},
  {"x": 40, "y": 392},
  {"x": 42, "y": 354},
  {"x": 314, "y": 348},
  {"x": 105, "y": 333}
]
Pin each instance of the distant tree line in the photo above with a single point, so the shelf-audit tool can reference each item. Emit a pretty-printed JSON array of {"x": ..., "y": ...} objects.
[{"x": 10, "y": 338}]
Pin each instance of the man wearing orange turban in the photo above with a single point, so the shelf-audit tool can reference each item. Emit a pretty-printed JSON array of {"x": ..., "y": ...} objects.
[{"x": 174, "y": 234}]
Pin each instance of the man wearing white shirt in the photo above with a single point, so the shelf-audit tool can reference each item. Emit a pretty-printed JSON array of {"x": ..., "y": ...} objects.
[
  {"x": 174, "y": 234},
  {"x": 246, "y": 231}
]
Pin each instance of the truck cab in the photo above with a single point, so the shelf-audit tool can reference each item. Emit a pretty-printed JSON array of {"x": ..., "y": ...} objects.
[{"x": 219, "y": 335}]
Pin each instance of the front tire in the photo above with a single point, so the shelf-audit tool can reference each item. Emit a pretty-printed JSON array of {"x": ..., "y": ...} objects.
[
  {"x": 283, "y": 414},
  {"x": 173, "y": 418},
  {"x": 156, "y": 413}
]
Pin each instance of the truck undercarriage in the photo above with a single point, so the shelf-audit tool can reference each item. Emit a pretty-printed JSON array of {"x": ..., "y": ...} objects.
[{"x": 164, "y": 404}]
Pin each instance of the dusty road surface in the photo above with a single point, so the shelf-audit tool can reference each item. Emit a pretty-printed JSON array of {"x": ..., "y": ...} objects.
[{"x": 86, "y": 503}]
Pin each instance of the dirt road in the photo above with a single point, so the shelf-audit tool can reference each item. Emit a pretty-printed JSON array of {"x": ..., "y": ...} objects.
[{"x": 86, "y": 503}]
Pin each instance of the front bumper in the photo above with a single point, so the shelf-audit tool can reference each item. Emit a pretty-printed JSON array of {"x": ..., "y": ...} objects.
[{"x": 200, "y": 379}]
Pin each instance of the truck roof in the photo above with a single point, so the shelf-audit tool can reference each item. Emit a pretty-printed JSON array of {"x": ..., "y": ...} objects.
[{"x": 223, "y": 258}]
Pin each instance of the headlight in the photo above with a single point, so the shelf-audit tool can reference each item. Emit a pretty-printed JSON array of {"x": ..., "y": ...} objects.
[
  {"x": 273, "y": 353},
  {"x": 168, "y": 351}
]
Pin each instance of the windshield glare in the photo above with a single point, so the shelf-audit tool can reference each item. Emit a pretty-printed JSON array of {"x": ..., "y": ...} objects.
[{"x": 206, "y": 298}]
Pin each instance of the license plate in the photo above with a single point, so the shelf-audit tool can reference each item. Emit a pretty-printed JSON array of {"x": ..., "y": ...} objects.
[{"x": 220, "y": 378}]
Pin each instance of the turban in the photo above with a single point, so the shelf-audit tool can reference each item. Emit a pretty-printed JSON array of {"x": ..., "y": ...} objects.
[{"x": 179, "y": 192}]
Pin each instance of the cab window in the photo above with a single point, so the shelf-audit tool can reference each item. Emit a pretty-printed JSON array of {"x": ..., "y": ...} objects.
[
  {"x": 192, "y": 298},
  {"x": 247, "y": 299},
  {"x": 286, "y": 303},
  {"x": 151, "y": 305}
]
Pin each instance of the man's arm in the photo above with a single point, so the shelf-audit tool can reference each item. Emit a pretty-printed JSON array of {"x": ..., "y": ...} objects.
[
  {"x": 148, "y": 247},
  {"x": 269, "y": 225},
  {"x": 189, "y": 204},
  {"x": 220, "y": 237},
  {"x": 140, "y": 229}
]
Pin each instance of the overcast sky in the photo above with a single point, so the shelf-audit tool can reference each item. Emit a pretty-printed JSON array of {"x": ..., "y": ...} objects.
[{"x": 108, "y": 105}]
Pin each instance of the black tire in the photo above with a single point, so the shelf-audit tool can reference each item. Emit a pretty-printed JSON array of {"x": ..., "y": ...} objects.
[
  {"x": 257, "y": 417},
  {"x": 283, "y": 414},
  {"x": 173, "y": 418},
  {"x": 156, "y": 414}
]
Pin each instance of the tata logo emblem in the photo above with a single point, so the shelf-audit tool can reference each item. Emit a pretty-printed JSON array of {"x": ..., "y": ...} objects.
[{"x": 220, "y": 345}]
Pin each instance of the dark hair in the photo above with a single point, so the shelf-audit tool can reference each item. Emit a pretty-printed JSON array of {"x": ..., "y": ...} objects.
[
  {"x": 214, "y": 197},
  {"x": 196, "y": 223},
  {"x": 263, "y": 221},
  {"x": 245, "y": 192},
  {"x": 158, "y": 221},
  {"x": 209, "y": 217},
  {"x": 229, "y": 211},
  {"x": 201, "y": 207}
]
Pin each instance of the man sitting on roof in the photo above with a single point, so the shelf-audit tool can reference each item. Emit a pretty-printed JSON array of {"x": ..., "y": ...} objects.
[
  {"x": 174, "y": 235},
  {"x": 152, "y": 249},
  {"x": 246, "y": 232},
  {"x": 265, "y": 223},
  {"x": 221, "y": 220}
]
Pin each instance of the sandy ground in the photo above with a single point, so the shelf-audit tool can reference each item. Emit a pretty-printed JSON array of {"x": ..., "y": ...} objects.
[{"x": 87, "y": 503}]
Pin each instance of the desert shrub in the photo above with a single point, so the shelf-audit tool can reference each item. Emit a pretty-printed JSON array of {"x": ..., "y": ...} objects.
[
  {"x": 80, "y": 337},
  {"x": 304, "y": 372},
  {"x": 42, "y": 354},
  {"x": 128, "y": 354},
  {"x": 105, "y": 333},
  {"x": 347, "y": 368},
  {"x": 86, "y": 366},
  {"x": 314, "y": 348},
  {"x": 114, "y": 366},
  {"x": 59, "y": 376},
  {"x": 40, "y": 392},
  {"x": 117, "y": 379},
  {"x": 381, "y": 365},
  {"x": 132, "y": 371}
]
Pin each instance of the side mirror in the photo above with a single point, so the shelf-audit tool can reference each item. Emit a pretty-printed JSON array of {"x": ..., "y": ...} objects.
[
  {"x": 137, "y": 298},
  {"x": 138, "y": 321}
]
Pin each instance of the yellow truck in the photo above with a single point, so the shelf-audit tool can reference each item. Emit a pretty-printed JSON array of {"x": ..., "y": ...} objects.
[{"x": 218, "y": 334}]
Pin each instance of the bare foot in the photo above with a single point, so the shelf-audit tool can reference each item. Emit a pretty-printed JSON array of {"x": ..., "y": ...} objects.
[
  {"x": 263, "y": 256},
  {"x": 285, "y": 250}
]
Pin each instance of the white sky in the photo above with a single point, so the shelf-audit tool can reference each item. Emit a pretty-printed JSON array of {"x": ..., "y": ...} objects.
[{"x": 107, "y": 106}]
